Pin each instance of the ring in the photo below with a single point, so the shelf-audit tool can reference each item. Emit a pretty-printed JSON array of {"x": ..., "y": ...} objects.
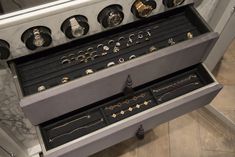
[
  {"x": 64, "y": 80},
  {"x": 41, "y": 88},
  {"x": 121, "y": 38},
  {"x": 65, "y": 61},
  {"x": 121, "y": 60},
  {"x": 110, "y": 64},
  {"x": 89, "y": 71},
  {"x": 111, "y": 42},
  {"x": 132, "y": 57},
  {"x": 90, "y": 49},
  {"x": 100, "y": 45}
]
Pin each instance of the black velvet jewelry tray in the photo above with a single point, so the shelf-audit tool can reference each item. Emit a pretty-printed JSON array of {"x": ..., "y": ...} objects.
[
  {"x": 111, "y": 110},
  {"x": 154, "y": 33}
]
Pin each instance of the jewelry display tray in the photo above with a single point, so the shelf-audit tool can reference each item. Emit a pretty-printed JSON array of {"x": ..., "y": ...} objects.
[
  {"x": 114, "y": 109},
  {"x": 117, "y": 118},
  {"x": 173, "y": 50}
]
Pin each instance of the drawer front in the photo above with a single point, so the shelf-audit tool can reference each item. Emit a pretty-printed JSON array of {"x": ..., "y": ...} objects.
[
  {"x": 126, "y": 128},
  {"x": 88, "y": 89}
]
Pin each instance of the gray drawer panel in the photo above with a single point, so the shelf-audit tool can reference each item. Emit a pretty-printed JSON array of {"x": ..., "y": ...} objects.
[
  {"x": 90, "y": 89},
  {"x": 126, "y": 128}
]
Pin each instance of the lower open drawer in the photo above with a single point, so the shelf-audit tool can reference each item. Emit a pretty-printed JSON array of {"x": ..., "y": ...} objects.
[{"x": 110, "y": 121}]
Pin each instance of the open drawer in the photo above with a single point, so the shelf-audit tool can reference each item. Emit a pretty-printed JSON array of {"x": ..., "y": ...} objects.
[
  {"x": 56, "y": 81},
  {"x": 110, "y": 121}
]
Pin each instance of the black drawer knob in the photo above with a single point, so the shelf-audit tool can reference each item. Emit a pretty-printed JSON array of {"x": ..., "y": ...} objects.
[
  {"x": 143, "y": 8},
  {"x": 36, "y": 37},
  {"x": 4, "y": 49},
  {"x": 111, "y": 16},
  {"x": 75, "y": 26},
  {"x": 172, "y": 3},
  {"x": 140, "y": 133}
]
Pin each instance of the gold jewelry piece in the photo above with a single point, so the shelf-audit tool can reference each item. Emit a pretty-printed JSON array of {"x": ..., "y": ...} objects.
[
  {"x": 130, "y": 109},
  {"x": 89, "y": 71},
  {"x": 143, "y": 9},
  {"x": 189, "y": 35},
  {"x": 121, "y": 60},
  {"x": 119, "y": 105},
  {"x": 78, "y": 119},
  {"x": 165, "y": 94},
  {"x": 41, "y": 88},
  {"x": 110, "y": 64},
  {"x": 79, "y": 128},
  {"x": 175, "y": 84},
  {"x": 65, "y": 80},
  {"x": 132, "y": 57}
]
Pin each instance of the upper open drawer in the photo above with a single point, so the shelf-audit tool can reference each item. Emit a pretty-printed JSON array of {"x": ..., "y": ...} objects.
[{"x": 89, "y": 70}]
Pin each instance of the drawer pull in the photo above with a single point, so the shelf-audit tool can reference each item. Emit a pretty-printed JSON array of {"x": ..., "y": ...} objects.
[{"x": 140, "y": 133}]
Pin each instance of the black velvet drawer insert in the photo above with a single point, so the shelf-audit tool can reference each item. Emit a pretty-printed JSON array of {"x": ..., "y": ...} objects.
[
  {"x": 45, "y": 68},
  {"x": 111, "y": 110}
]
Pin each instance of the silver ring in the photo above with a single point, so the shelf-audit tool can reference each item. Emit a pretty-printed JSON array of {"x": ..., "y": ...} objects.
[
  {"x": 80, "y": 57},
  {"x": 64, "y": 57},
  {"x": 65, "y": 61},
  {"x": 65, "y": 80},
  {"x": 89, "y": 71},
  {"x": 140, "y": 35},
  {"x": 100, "y": 45},
  {"x": 132, "y": 57},
  {"x": 111, "y": 42},
  {"x": 71, "y": 55},
  {"x": 121, "y": 38},
  {"x": 90, "y": 49},
  {"x": 80, "y": 52},
  {"x": 110, "y": 64},
  {"x": 41, "y": 88},
  {"x": 121, "y": 60},
  {"x": 105, "y": 48}
]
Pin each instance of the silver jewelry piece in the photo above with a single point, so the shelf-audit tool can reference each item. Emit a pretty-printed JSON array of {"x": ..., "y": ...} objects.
[
  {"x": 105, "y": 48},
  {"x": 110, "y": 64},
  {"x": 41, "y": 88},
  {"x": 89, "y": 71},
  {"x": 132, "y": 57},
  {"x": 140, "y": 35},
  {"x": 121, "y": 38},
  {"x": 121, "y": 60},
  {"x": 64, "y": 80},
  {"x": 171, "y": 41},
  {"x": 111, "y": 42},
  {"x": 116, "y": 49},
  {"x": 118, "y": 44},
  {"x": 65, "y": 61}
]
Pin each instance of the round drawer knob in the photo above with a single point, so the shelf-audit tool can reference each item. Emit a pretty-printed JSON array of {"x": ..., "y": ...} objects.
[
  {"x": 172, "y": 3},
  {"x": 75, "y": 26},
  {"x": 143, "y": 8},
  {"x": 4, "y": 49},
  {"x": 36, "y": 37},
  {"x": 111, "y": 16}
]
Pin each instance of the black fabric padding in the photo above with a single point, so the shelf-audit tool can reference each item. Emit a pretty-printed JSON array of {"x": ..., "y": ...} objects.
[
  {"x": 45, "y": 68},
  {"x": 102, "y": 110}
]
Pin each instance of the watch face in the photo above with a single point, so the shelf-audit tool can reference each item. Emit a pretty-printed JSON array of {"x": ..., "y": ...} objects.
[{"x": 10, "y": 6}]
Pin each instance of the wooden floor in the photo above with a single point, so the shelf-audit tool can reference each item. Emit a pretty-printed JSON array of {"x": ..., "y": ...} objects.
[{"x": 197, "y": 134}]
